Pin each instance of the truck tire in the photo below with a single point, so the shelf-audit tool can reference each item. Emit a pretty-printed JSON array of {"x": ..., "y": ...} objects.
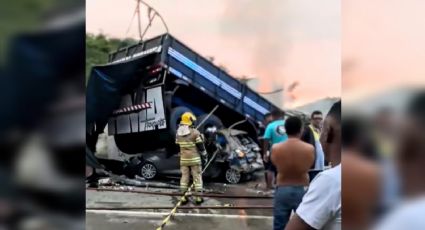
[
  {"x": 210, "y": 122},
  {"x": 175, "y": 118},
  {"x": 168, "y": 100}
]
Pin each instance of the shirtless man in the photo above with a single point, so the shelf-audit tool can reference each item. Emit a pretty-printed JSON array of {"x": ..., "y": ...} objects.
[
  {"x": 293, "y": 160},
  {"x": 358, "y": 174},
  {"x": 321, "y": 205}
]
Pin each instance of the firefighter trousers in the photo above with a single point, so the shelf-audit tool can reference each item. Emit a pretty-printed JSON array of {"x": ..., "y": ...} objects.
[{"x": 195, "y": 171}]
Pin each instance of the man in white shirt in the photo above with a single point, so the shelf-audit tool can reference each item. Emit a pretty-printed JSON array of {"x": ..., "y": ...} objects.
[
  {"x": 321, "y": 205},
  {"x": 409, "y": 215},
  {"x": 410, "y": 161}
]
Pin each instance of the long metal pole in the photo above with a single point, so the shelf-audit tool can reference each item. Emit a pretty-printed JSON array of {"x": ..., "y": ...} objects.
[
  {"x": 208, "y": 116},
  {"x": 215, "y": 195}
]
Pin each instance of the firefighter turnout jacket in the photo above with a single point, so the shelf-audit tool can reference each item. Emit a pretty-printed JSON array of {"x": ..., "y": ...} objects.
[
  {"x": 191, "y": 145},
  {"x": 191, "y": 152}
]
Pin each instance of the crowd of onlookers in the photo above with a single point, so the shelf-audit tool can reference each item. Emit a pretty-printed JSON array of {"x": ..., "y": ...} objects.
[
  {"x": 384, "y": 164},
  {"x": 382, "y": 175},
  {"x": 295, "y": 154}
]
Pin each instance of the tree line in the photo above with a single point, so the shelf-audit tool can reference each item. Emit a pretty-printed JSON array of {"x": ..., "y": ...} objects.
[{"x": 99, "y": 46}]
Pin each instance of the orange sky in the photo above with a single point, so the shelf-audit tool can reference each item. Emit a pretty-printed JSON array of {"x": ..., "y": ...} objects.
[
  {"x": 277, "y": 41},
  {"x": 383, "y": 45}
]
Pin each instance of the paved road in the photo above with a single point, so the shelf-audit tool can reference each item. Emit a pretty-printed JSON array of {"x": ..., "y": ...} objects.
[
  {"x": 185, "y": 219},
  {"x": 137, "y": 220}
]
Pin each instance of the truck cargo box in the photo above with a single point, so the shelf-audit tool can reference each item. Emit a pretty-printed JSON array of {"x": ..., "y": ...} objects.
[{"x": 127, "y": 93}]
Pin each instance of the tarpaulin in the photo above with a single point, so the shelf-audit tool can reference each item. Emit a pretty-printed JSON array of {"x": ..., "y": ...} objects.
[{"x": 105, "y": 88}]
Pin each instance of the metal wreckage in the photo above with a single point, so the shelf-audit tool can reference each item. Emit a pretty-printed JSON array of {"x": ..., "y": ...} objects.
[{"x": 135, "y": 101}]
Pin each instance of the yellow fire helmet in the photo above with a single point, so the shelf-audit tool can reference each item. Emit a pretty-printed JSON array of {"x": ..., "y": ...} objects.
[{"x": 188, "y": 118}]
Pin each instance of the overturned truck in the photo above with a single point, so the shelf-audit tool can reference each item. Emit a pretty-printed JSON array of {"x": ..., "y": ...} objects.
[{"x": 140, "y": 94}]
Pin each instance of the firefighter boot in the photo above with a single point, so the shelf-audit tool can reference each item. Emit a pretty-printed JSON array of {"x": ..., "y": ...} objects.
[
  {"x": 184, "y": 200},
  {"x": 198, "y": 200}
]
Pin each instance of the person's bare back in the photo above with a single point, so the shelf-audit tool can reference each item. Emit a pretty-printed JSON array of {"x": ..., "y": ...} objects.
[
  {"x": 293, "y": 159},
  {"x": 359, "y": 175}
]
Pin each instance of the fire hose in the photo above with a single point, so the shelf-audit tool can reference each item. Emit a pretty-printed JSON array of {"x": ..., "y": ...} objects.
[{"x": 185, "y": 195}]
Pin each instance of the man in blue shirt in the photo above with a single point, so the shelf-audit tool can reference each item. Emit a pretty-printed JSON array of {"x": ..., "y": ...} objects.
[{"x": 275, "y": 133}]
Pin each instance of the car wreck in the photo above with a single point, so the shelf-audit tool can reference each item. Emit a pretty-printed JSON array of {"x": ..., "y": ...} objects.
[{"x": 135, "y": 101}]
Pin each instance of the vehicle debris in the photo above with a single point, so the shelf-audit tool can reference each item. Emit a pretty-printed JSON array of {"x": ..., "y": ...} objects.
[{"x": 163, "y": 79}]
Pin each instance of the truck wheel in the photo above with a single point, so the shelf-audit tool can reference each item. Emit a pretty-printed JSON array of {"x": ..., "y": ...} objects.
[
  {"x": 212, "y": 121},
  {"x": 168, "y": 99},
  {"x": 233, "y": 176},
  {"x": 148, "y": 171},
  {"x": 175, "y": 118}
]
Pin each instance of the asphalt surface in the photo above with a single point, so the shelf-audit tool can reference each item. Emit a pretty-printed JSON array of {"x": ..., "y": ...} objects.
[
  {"x": 132, "y": 220},
  {"x": 112, "y": 216}
]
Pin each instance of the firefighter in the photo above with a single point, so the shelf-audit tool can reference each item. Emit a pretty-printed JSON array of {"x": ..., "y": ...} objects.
[{"x": 192, "y": 155}]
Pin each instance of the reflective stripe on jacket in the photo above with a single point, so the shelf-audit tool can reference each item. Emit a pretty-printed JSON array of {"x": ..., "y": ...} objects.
[{"x": 189, "y": 155}]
